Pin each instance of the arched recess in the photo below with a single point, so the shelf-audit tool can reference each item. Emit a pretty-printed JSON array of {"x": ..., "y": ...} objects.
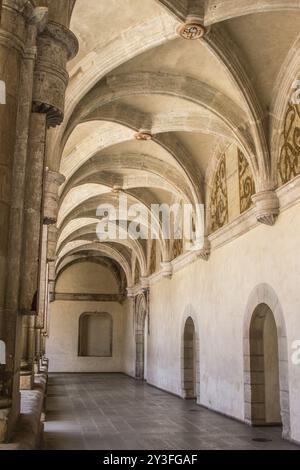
[
  {"x": 99, "y": 249},
  {"x": 266, "y": 361},
  {"x": 190, "y": 365},
  {"x": 95, "y": 337},
  {"x": 140, "y": 319}
]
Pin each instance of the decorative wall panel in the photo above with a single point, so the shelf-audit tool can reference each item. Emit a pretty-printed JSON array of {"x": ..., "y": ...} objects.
[
  {"x": 289, "y": 159},
  {"x": 219, "y": 199},
  {"x": 246, "y": 183}
]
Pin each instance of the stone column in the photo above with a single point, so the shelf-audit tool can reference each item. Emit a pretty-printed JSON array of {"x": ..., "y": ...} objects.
[
  {"x": 53, "y": 181},
  {"x": 42, "y": 300},
  {"x": 13, "y": 33},
  {"x": 56, "y": 44},
  {"x": 36, "y": 20},
  {"x": 31, "y": 242},
  {"x": 51, "y": 280},
  {"x": 140, "y": 312}
]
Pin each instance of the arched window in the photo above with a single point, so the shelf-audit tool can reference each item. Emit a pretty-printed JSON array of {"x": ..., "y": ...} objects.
[{"x": 95, "y": 335}]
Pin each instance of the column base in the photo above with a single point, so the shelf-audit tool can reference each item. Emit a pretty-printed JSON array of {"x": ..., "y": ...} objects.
[
  {"x": 5, "y": 409},
  {"x": 26, "y": 380}
]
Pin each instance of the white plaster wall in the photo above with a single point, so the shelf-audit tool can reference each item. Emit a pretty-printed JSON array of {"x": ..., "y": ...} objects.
[
  {"x": 215, "y": 294},
  {"x": 62, "y": 345}
]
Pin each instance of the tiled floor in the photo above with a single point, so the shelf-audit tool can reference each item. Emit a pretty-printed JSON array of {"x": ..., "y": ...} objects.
[{"x": 113, "y": 412}]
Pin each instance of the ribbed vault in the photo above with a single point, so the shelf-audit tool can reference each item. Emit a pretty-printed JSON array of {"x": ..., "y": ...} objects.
[{"x": 134, "y": 75}]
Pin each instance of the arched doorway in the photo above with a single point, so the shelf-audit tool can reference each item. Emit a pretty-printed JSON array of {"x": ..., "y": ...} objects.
[
  {"x": 189, "y": 360},
  {"x": 264, "y": 368},
  {"x": 140, "y": 336}
]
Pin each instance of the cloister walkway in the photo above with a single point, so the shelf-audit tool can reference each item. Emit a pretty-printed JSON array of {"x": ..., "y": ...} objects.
[{"x": 114, "y": 412}]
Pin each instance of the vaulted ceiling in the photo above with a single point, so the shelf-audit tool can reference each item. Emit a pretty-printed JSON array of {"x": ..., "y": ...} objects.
[{"x": 135, "y": 73}]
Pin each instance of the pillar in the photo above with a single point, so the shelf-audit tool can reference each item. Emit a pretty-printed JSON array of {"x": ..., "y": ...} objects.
[
  {"x": 13, "y": 35},
  {"x": 36, "y": 80},
  {"x": 55, "y": 46}
]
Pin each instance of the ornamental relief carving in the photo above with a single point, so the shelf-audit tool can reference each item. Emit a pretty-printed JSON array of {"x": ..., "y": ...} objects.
[
  {"x": 246, "y": 183},
  {"x": 289, "y": 158},
  {"x": 219, "y": 198}
]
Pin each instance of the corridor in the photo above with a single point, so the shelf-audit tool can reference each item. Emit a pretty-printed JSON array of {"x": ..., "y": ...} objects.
[{"x": 114, "y": 412}]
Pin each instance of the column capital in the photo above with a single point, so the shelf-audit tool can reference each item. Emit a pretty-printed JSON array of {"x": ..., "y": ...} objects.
[
  {"x": 63, "y": 36},
  {"x": 167, "y": 269},
  {"x": 56, "y": 46},
  {"x": 204, "y": 252},
  {"x": 51, "y": 280},
  {"x": 266, "y": 206}
]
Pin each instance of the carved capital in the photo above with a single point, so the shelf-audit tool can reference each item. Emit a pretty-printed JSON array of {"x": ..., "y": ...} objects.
[
  {"x": 144, "y": 283},
  {"x": 56, "y": 45},
  {"x": 266, "y": 207},
  {"x": 53, "y": 181},
  {"x": 204, "y": 252},
  {"x": 167, "y": 269},
  {"x": 130, "y": 292}
]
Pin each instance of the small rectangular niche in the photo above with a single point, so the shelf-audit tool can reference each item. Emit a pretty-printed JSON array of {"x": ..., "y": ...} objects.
[{"x": 95, "y": 335}]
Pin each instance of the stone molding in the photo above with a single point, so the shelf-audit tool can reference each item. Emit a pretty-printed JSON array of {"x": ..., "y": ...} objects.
[{"x": 64, "y": 297}]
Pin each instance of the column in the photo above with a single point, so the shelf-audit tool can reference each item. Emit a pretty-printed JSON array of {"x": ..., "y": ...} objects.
[
  {"x": 12, "y": 48},
  {"x": 56, "y": 45}
]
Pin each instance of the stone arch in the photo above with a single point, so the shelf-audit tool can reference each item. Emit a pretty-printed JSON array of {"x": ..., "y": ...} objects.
[
  {"x": 141, "y": 311},
  {"x": 96, "y": 249},
  {"x": 190, "y": 316},
  {"x": 262, "y": 300}
]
